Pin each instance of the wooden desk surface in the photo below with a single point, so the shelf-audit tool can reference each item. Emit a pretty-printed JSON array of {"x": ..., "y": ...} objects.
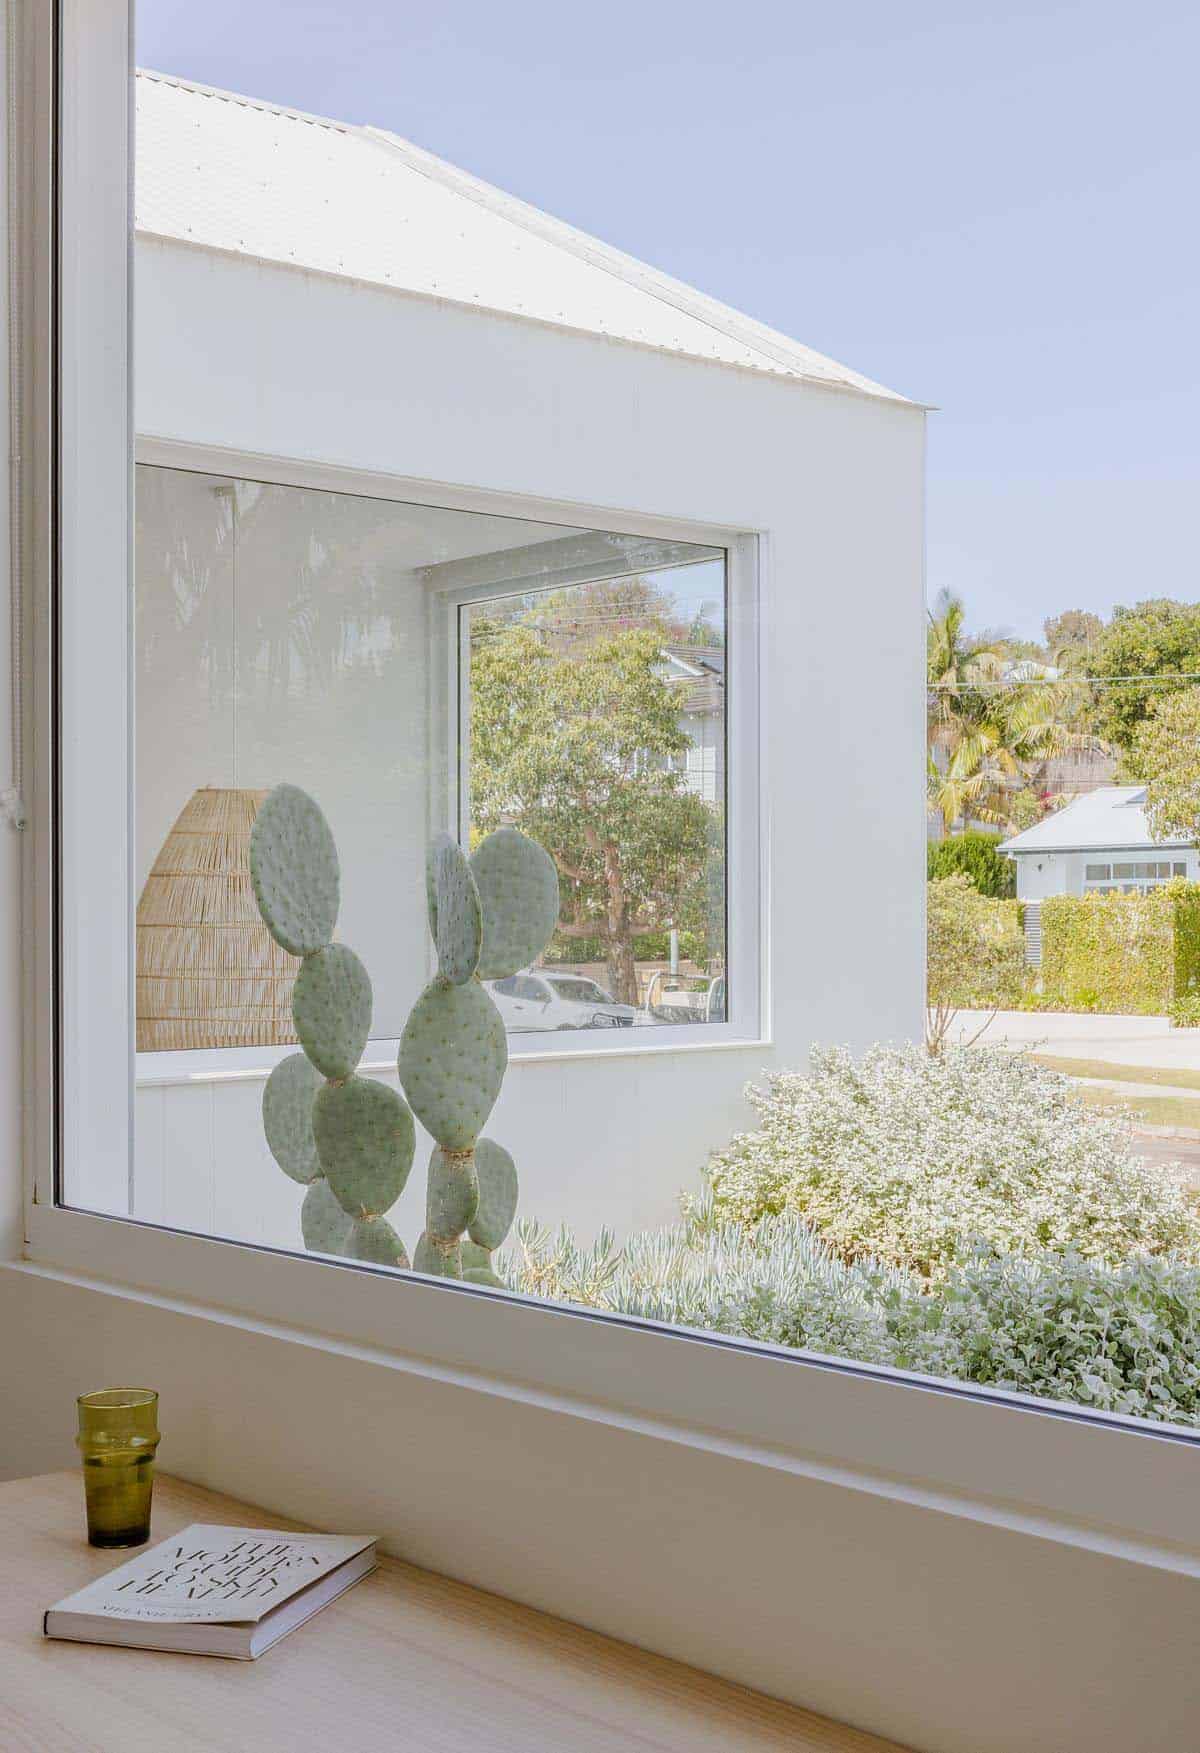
[{"x": 406, "y": 1660}]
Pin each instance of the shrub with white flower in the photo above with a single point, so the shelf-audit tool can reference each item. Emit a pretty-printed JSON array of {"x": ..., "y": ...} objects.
[{"x": 918, "y": 1161}]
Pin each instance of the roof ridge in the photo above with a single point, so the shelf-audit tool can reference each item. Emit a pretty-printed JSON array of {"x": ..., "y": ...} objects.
[
  {"x": 247, "y": 103},
  {"x": 734, "y": 324}
]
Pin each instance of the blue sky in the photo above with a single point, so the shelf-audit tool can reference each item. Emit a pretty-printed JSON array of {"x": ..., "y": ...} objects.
[{"x": 992, "y": 209}]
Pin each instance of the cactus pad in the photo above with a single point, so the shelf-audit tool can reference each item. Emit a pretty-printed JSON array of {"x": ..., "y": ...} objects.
[
  {"x": 287, "y": 1117},
  {"x": 518, "y": 891},
  {"x": 452, "y": 1193},
  {"x": 454, "y": 915},
  {"x": 474, "y": 1256},
  {"x": 437, "y": 1262},
  {"x": 497, "y": 1176},
  {"x": 483, "y": 1275},
  {"x": 294, "y": 870},
  {"x": 452, "y": 1057},
  {"x": 375, "y": 1240},
  {"x": 331, "y": 1008},
  {"x": 323, "y": 1224},
  {"x": 365, "y": 1137}
]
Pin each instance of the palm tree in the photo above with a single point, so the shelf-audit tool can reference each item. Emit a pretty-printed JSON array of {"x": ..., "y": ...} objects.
[{"x": 990, "y": 722}]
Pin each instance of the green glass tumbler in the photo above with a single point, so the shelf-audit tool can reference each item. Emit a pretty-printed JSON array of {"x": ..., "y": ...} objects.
[{"x": 118, "y": 1434}]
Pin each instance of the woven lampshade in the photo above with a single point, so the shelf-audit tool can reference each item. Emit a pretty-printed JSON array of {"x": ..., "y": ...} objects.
[{"x": 209, "y": 974}]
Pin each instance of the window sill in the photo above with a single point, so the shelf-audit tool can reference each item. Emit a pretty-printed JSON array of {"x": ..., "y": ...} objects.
[
  {"x": 255, "y": 1064},
  {"x": 806, "y": 1529},
  {"x": 973, "y": 1450}
]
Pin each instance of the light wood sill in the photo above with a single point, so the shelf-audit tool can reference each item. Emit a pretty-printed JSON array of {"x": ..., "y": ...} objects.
[{"x": 405, "y": 1659}]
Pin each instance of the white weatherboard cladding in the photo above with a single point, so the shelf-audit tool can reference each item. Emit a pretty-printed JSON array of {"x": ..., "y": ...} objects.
[
  {"x": 408, "y": 389},
  {"x": 227, "y": 173}
]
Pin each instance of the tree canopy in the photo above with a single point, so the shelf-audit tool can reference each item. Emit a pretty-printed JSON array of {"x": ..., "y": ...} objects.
[
  {"x": 1159, "y": 637},
  {"x": 581, "y": 752},
  {"x": 1072, "y": 631},
  {"x": 1166, "y": 756},
  {"x": 990, "y": 722}
]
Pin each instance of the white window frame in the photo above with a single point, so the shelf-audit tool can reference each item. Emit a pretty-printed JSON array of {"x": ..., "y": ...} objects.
[
  {"x": 745, "y": 805},
  {"x": 1120, "y": 1486}
]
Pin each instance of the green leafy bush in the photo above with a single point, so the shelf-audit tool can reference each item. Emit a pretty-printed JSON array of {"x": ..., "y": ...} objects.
[
  {"x": 1185, "y": 1012},
  {"x": 974, "y": 954},
  {"x": 974, "y": 856},
  {"x": 1128, "y": 954},
  {"x": 1119, "y": 1339},
  {"x": 916, "y": 1160}
]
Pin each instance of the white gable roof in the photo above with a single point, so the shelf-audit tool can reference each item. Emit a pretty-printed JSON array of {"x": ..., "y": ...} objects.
[
  {"x": 1113, "y": 817},
  {"x": 224, "y": 172}
]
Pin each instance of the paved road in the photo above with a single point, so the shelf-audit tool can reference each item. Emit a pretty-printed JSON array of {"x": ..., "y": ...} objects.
[
  {"x": 1116, "y": 1040},
  {"x": 1121, "y": 1040},
  {"x": 1180, "y": 1157}
]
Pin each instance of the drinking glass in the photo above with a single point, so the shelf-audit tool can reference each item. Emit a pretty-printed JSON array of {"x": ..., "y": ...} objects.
[{"x": 118, "y": 1434}]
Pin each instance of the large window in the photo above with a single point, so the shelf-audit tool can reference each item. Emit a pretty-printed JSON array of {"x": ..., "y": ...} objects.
[
  {"x": 412, "y": 461},
  {"x": 318, "y": 606},
  {"x": 285, "y": 634}
]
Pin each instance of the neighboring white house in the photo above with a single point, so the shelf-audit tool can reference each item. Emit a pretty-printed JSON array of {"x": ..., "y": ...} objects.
[
  {"x": 375, "y": 395},
  {"x": 1099, "y": 843},
  {"x": 698, "y": 672}
]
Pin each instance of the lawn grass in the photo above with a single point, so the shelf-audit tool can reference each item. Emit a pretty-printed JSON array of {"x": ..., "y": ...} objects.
[
  {"x": 1101, "y": 1068},
  {"x": 1151, "y": 1110}
]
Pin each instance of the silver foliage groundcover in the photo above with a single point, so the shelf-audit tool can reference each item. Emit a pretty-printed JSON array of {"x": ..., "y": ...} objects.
[{"x": 962, "y": 1216}]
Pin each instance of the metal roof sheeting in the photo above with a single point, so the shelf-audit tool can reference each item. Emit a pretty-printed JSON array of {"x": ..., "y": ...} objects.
[
  {"x": 1113, "y": 817},
  {"x": 225, "y": 172}
]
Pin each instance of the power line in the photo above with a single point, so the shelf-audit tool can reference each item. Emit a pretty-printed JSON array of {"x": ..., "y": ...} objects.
[{"x": 1064, "y": 681}]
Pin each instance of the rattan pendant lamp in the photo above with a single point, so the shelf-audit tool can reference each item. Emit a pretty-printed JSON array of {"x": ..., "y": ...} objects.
[{"x": 208, "y": 972}]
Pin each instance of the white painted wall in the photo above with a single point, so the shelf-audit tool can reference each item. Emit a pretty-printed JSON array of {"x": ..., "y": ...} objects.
[
  {"x": 284, "y": 364},
  {"x": 1040, "y": 874},
  {"x": 234, "y": 690},
  {"x": 1048, "y": 873}
]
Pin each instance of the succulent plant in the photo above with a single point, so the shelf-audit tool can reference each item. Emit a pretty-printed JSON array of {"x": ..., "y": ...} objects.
[{"x": 348, "y": 1139}]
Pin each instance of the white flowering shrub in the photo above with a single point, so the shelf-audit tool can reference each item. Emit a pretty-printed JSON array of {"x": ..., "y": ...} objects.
[
  {"x": 1116, "y": 1338},
  {"x": 919, "y": 1161}
]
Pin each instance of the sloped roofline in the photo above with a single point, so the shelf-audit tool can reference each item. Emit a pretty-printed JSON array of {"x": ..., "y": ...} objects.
[{"x": 801, "y": 362}]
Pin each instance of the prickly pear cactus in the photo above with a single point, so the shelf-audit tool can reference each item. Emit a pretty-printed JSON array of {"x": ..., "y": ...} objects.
[
  {"x": 350, "y": 1140},
  {"x": 488, "y": 917},
  {"x": 517, "y": 882}
]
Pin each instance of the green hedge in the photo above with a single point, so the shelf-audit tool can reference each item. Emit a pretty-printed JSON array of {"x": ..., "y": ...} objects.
[
  {"x": 974, "y": 948},
  {"x": 1135, "y": 954},
  {"x": 974, "y": 856}
]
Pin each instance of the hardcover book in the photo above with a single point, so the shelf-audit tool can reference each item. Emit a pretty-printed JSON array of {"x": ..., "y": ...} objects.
[{"x": 214, "y": 1591}]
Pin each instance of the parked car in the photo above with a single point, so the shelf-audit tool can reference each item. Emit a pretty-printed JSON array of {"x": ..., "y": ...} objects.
[{"x": 541, "y": 999}]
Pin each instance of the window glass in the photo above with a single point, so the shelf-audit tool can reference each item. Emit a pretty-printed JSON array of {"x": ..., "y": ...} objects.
[
  {"x": 356, "y": 592},
  {"x": 287, "y": 634},
  {"x": 1057, "y": 984},
  {"x": 596, "y": 724}
]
